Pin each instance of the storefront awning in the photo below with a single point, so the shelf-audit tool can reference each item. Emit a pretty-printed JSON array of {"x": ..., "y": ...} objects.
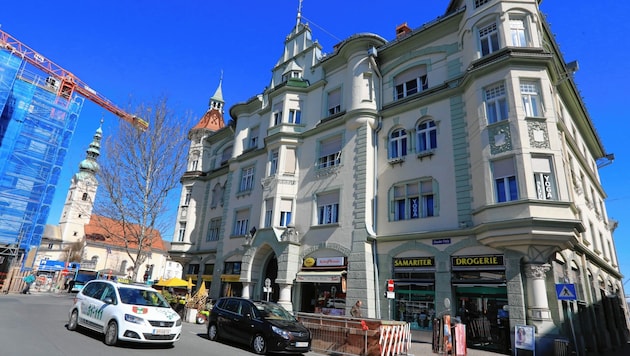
[{"x": 319, "y": 276}]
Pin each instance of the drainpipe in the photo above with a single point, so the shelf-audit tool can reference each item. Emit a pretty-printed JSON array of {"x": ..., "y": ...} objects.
[{"x": 372, "y": 54}]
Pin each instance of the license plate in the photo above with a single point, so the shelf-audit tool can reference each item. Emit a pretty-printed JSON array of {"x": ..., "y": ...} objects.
[
  {"x": 161, "y": 331},
  {"x": 301, "y": 344}
]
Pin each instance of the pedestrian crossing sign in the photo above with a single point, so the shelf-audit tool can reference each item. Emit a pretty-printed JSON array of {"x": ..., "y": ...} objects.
[{"x": 566, "y": 291}]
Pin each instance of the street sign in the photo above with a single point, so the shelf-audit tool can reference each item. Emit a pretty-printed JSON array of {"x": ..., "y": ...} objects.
[
  {"x": 566, "y": 291},
  {"x": 390, "y": 285}
]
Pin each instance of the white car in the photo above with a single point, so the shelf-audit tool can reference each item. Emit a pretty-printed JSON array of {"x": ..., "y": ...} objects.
[{"x": 125, "y": 312}]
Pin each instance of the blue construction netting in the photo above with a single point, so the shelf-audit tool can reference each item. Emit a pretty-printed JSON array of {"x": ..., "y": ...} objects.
[{"x": 36, "y": 127}]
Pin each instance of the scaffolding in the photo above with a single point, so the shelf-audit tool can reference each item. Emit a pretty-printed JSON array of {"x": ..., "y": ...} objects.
[{"x": 36, "y": 127}]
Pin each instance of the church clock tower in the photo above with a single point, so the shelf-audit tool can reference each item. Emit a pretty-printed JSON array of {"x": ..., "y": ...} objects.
[{"x": 81, "y": 194}]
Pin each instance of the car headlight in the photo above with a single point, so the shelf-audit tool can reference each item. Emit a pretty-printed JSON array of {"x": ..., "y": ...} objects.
[
  {"x": 178, "y": 322},
  {"x": 133, "y": 319},
  {"x": 283, "y": 333}
]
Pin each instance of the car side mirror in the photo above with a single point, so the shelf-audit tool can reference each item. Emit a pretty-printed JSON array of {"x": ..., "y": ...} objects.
[{"x": 108, "y": 300}]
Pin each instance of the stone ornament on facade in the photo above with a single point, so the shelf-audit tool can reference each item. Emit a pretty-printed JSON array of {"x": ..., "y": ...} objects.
[
  {"x": 537, "y": 271},
  {"x": 538, "y": 136},
  {"x": 500, "y": 138}
]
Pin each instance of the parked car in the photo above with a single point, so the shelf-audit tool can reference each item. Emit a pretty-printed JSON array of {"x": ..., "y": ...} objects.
[
  {"x": 265, "y": 326},
  {"x": 336, "y": 303},
  {"x": 125, "y": 312}
]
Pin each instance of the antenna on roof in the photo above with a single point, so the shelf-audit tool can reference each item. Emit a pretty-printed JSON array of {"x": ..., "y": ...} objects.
[{"x": 299, "y": 16}]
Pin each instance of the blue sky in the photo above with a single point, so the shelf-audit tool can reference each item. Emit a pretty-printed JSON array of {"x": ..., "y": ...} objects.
[{"x": 137, "y": 51}]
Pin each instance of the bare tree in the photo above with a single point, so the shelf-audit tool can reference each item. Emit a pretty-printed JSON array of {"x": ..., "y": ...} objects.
[
  {"x": 138, "y": 170},
  {"x": 73, "y": 252}
]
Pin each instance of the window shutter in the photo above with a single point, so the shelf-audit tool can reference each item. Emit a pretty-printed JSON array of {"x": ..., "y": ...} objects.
[
  {"x": 328, "y": 198},
  {"x": 541, "y": 165},
  {"x": 410, "y": 74},
  {"x": 334, "y": 98},
  {"x": 289, "y": 161},
  {"x": 330, "y": 146},
  {"x": 286, "y": 205},
  {"x": 503, "y": 167}
]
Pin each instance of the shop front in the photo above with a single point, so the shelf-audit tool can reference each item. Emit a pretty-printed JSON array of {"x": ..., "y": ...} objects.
[
  {"x": 480, "y": 290},
  {"x": 414, "y": 280},
  {"x": 323, "y": 285}
]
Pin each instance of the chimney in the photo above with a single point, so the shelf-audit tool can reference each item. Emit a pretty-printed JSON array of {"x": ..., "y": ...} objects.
[{"x": 402, "y": 30}]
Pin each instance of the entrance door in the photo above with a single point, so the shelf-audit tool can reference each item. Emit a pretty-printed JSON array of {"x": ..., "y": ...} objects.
[{"x": 485, "y": 313}]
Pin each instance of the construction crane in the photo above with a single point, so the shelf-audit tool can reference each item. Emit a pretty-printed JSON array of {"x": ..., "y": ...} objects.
[{"x": 65, "y": 82}]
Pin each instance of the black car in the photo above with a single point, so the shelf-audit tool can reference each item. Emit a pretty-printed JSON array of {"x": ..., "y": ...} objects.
[{"x": 265, "y": 326}]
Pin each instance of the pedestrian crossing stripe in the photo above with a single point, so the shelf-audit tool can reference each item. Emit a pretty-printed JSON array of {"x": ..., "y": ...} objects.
[{"x": 566, "y": 291}]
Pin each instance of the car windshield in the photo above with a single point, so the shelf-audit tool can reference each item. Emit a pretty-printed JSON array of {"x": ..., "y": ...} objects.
[
  {"x": 142, "y": 297},
  {"x": 273, "y": 311}
]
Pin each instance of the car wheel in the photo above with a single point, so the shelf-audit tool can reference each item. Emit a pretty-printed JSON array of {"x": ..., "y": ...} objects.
[
  {"x": 213, "y": 332},
  {"x": 73, "y": 323},
  {"x": 111, "y": 333},
  {"x": 259, "y": 345}
]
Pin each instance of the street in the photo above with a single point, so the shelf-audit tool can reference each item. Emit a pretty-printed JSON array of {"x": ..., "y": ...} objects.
[{"x": 35, "y": 325}]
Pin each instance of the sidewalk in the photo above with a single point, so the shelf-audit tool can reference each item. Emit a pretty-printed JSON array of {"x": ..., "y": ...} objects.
[{"x": 421, "y": 345}]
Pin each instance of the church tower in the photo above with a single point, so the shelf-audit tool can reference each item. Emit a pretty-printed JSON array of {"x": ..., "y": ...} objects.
[{"x": 81, "y": 194}]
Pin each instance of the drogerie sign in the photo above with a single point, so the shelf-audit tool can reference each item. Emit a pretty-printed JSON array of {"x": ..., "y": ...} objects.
[{"x": 477, "y": 261}]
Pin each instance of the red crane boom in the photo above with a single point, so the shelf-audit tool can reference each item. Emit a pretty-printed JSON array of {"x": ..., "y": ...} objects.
[{"x": 69, "y": 83}]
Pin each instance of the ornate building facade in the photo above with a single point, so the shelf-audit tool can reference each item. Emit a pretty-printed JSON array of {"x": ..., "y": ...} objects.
[{"x": 457, "y": 160}]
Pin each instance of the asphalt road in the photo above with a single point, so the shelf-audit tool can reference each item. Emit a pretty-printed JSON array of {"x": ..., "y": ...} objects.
[{"x": 35, "y": 325}]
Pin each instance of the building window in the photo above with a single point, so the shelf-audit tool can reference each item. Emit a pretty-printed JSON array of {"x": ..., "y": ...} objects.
[
  {"x": 505, "y": 180},
  {"x": 531, "y": 99},
  {"x": 214, "y": 227},
  {"x": 428, "y": 199},
  {"x": 398, "y": 143},
  {"x": 194, "y": 161},
  {"x": 411, "y": 81},
  {"x": 241, "y": 223},
  {"x": 328, "y": 208},
  {"x": 50, "y": 246},
  {"x": 427, "y": 136},
  {"x": 268, "y": 212},
  {"x": 406, "y": 204},
  {"x": 226, "y": 155},
  {"x": 295, "y": 116},
  {"x": 334, "y": 102},
  {"x": 193, "y": 268},
  {"x": 286, "y": 209},
  {"x": 217, "y": 196},
  {"x": 247, "y": 179},
  {"x": 232, "y": 268},
  {"x": 489, "y": 39},
  {"x": 182, "y": 231},
  {"x": 208, "y": 269},
  {"x": 496, "y": 104},
  {"x": 479, "y": 3},
  {"x": 253, "y": 138},
  {"x": 273, "y": 162},
  {"x": 518, "y": 32},
  {"x": 544, "y": 179},
  {"x": 187, "y": 196},
  {"x": 84, "y": 197},
  {"x": 329, "y": 152},
  {"x": 277, "y": 114}
]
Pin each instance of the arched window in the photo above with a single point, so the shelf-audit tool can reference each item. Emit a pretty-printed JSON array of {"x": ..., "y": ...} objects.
[
  {"x": 427, "y": 136},
  {"x": 398, "y": 143},
  {"x": 84, "y": 197}
]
